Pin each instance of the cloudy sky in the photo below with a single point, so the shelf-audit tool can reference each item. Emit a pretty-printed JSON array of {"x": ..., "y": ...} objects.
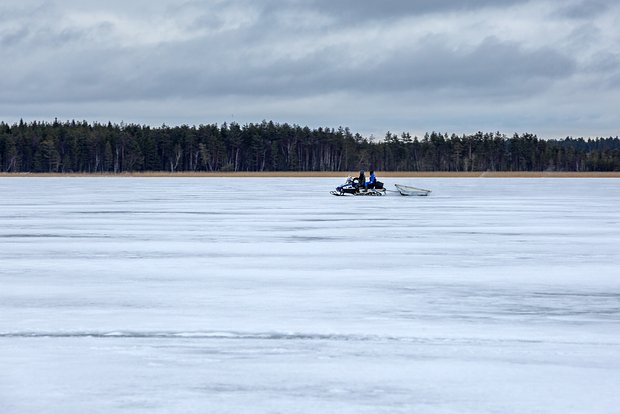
[{"x": 550, "y": 67}]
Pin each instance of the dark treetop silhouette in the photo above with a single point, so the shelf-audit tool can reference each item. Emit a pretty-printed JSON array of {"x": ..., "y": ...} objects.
[{"x": 82, "y": 147}]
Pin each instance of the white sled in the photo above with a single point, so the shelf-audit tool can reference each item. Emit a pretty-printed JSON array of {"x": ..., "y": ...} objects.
[{"x": 407, "y": 190}]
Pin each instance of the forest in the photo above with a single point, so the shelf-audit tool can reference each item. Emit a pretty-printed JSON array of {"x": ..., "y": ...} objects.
[{"x": 82, "y": 147}]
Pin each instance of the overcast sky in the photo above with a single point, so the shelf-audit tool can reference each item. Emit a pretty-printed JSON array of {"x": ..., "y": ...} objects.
[{"x": 547, "y": 67}]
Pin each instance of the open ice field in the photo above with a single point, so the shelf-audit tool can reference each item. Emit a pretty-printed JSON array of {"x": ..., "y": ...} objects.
[{"x": 205, "y": 295}]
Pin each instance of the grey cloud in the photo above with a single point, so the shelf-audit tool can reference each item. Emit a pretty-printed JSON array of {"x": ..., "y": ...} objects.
[
  {"x": 360, "y": 10},
  {"x": 13, "y": 37},
  {"x": 352, "y": 9},
  {"x": 492, "y": 68},
  {"x": 585, "y": 9},
  {"x": 584, "y": 36},
  {"x": 605, "y": 62},
  {"x": 47, "y": 36}
]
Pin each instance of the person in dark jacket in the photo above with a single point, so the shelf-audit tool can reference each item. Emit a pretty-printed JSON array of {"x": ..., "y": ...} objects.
[{"x": 361, "y": 180}]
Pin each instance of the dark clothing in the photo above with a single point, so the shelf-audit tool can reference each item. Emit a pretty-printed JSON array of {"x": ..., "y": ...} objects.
[{"x": 362, "y": 180}]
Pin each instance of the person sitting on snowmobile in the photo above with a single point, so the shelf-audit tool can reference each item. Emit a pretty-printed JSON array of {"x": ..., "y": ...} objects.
[
  {"x": 361, "y": 180},
  {"x": 372, "y": 181}
]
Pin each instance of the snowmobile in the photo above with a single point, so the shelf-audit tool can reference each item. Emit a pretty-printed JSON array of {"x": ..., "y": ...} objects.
[{"x": 353, "y": 187}]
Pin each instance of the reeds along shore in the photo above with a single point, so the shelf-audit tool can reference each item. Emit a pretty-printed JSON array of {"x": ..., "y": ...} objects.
[{"x": 300, "y": 174}]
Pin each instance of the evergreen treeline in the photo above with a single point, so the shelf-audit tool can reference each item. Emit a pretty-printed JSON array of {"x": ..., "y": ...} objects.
[{"x": 83, "y": 147}]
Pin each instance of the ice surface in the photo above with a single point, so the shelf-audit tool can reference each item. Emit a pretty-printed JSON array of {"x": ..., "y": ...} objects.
[{"x": 231, "y": 295}]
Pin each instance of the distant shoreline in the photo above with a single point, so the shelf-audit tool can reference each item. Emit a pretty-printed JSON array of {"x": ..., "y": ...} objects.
[{"x": 309, "y": 174}]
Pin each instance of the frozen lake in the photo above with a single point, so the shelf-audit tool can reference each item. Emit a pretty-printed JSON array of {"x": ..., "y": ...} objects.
[{"x": 234, "y": 295}]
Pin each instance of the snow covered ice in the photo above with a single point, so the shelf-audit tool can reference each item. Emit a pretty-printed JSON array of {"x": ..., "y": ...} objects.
[{"x": 232, "y": 295}]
